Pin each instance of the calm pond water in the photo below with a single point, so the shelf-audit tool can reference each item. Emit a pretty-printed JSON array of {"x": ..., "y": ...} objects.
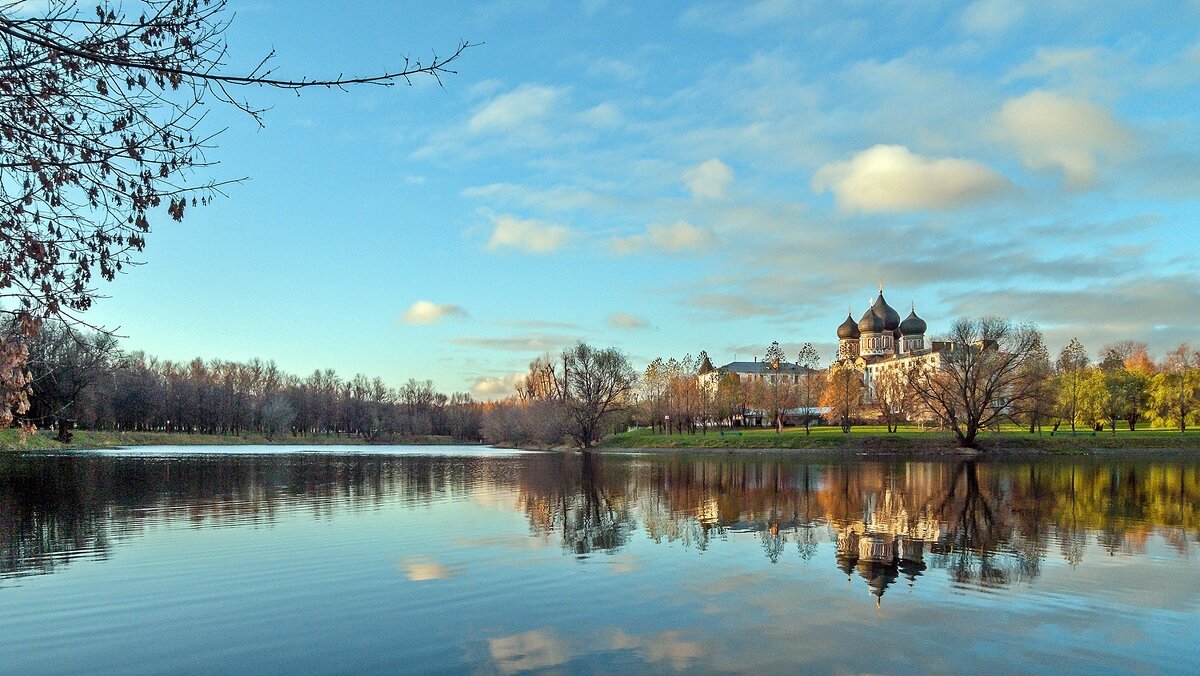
[{"x": 466, "y": 559}]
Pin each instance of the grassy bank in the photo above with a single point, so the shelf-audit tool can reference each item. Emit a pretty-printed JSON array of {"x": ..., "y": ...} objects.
[
  {"x": 11, "y": 439},
  {"x": 876, "y": 439}
]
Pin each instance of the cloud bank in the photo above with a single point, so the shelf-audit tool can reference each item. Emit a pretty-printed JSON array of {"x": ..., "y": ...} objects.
[
  {"x": 1057, "y": 132},
  {"x": 678, "y": 237},
  {"x": 624, "y": 320},
  {"x": 888, "y": 178},
  {"x": 527, "y": 235}
]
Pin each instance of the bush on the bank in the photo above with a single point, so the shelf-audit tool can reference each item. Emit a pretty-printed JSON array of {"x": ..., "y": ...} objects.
[{"x": 536, "y": 423}]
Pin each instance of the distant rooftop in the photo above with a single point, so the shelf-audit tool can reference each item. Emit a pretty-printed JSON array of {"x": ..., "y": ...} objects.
[{"x": 757, "y": 367}]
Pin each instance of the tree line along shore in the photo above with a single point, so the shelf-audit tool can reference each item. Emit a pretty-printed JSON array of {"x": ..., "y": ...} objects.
[
  {"x": 84, "y": 391},
  {"x": 994, "y": 382}
]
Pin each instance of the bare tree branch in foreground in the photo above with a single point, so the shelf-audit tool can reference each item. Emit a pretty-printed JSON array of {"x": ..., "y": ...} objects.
[{"x": 102, "y": 120}]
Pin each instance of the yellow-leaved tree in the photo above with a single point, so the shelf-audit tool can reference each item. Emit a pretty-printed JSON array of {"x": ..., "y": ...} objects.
[{"x": 1175, "y": 389}]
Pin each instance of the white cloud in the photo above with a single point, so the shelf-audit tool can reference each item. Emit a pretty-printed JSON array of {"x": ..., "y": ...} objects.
[
  {"x": 708, "y": 180},
  {"x": 624, "y": 320},
  {"x": 496, "y": 387},
  {"x": 614, "y": 68},
  {"x": 668, "y": 647},
  {"x": 674, "y": 238},
  {"x": 537, "y": 342},
  {"x": 537, "y": 649},
  {"x": 555, "y": 198},
  {"x": 1091, "y": 72},
  {"x": 1148, "y": 309},
  {"x": 1056, "y": 132},
  {"x": 603, "y": 116},
  {"x": 425, "y": 312},
  {"x": 527, "y": 235},
  {"x": 1179, "y": 71},
  {"x": 515, "y": 109},
  {"x": 991, "y": 16},
  {"x": 742, "y": 16},
  {"x": 422, "y": 569},
  {"x": 542, "y": 648},
  {"x": 484, "y": 88},
  {"x": 1051, "y": 60},
  {"x": 731, "y": 306},
  {"x": 893, "y": 178}
]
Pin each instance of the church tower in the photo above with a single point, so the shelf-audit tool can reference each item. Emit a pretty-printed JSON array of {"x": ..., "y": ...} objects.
[
  {"x": 891, "y": 324},
  {"x": 848, "y": 336},
  {"x": 871, "y": 335},
  {"x": 879, "y": 329},
  {"x": 912, "y": 332}
]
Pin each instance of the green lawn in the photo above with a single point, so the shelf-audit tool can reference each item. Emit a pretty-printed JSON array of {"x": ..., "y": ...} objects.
[{"x": 907, "y": 438}]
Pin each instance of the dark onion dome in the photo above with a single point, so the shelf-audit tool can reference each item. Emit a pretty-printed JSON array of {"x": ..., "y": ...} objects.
[
  {"x": 891, "y": 318},
  {"x": 849, "y": 328},
  {"x": 870, "y": 322},
  {"x": 913, "y": 325}
]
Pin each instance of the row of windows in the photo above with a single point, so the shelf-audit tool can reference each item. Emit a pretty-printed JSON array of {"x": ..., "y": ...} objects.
[{"x": 752, "y": 376}]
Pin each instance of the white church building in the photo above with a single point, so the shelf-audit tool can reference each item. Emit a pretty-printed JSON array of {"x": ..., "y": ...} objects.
[{"x": 881, "y": 341}]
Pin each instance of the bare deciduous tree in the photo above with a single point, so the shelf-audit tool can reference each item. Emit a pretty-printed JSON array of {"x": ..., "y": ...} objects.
[
  {"x": 653, "y": 393},
  {"x": 843, "y": 396},
  {"x": 1072, "y": 366},
  {"x": 543, "y": 382},
  {"x": 62, "y": 363},
  {"x": 597, "y": 384},
  {"x": 978, "y": 377},
  {"x": 731, "y": 399},
  {"x": 892, "y": 394},
  {"x": 277, "y": 416},
  {"x": 812, "y": 381},
  {"x": 102, "y": 120},
  {"x": 777, "y": 389},
  {"x": 1037, "y": 374}
]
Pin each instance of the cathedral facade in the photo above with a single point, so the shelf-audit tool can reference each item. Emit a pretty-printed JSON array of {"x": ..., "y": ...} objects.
[
  {"x": 880, "y": 333},
  {"x": 880, "y": 340}
]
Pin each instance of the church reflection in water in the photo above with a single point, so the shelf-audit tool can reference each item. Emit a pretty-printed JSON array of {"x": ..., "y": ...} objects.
[
  {"x": 985, "y": 523},
  {"x": 886, "y": 544}
]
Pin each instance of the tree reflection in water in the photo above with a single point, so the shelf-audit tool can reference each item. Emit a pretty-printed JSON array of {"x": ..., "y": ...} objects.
[
  {"x": 978, "y": 544},
  {"x": 597, "y": 517},
  {"x": 987, "y": 523}
]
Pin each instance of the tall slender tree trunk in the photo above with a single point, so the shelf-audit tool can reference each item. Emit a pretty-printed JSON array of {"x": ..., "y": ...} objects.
[
  {"x": 64, "y": 431},
  {"x": 1074, "y": 412}
]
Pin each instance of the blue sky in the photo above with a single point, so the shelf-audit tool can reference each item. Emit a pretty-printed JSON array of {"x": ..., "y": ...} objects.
[{"x": 681, "y": 178}]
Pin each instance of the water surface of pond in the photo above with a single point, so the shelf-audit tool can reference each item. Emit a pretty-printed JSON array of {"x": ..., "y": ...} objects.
[{"x": 466, "y": 559}]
